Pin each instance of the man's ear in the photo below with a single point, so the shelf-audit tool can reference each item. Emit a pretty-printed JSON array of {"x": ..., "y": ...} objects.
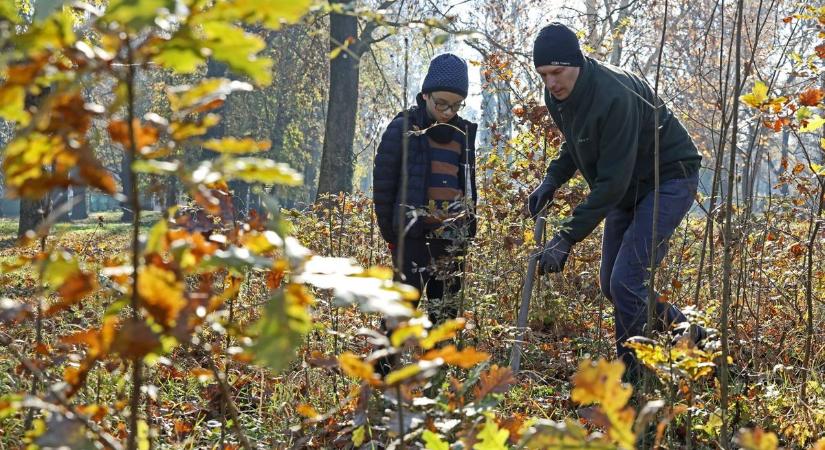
[{"x": 425, "y": 96}]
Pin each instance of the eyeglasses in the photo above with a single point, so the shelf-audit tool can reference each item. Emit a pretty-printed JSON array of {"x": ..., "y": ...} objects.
[{"x": 444, "y": 106}]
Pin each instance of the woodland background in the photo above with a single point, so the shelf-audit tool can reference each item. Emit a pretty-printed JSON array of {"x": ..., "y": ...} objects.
[{"x": 189, "y": 258}]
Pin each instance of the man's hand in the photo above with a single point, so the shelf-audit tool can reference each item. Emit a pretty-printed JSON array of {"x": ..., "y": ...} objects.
[
  {"x": 540, "y": 197},
  {"x": 554, "y": 255}
]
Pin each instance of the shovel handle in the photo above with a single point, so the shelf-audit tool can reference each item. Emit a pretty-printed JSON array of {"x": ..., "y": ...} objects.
[{"x": 526, "y": 292}]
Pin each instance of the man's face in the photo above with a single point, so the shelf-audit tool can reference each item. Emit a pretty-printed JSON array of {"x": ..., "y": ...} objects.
[
  {"x": 442, "y": 105},
  {"x": 559, "y": 80}
]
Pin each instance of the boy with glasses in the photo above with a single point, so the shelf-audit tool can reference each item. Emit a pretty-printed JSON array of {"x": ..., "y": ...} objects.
[{"x": 425, "y": 208}]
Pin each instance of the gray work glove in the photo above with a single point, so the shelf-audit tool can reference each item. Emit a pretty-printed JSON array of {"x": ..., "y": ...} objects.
[
  {"x": 540, "y": 196},
  {"x": 554, "y": 255}
]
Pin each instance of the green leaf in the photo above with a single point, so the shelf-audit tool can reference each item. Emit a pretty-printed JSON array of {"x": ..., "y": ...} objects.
[
  {"x": 491, "y": 437},
  {"x": 156, "y": 241},
  {"x": 135, "y": 14},
  {"x": 271, "y": 13},
  {"x": 433, "y": 441},
  {"x": 182, "y": 53},
  {"x": 155, "y": 167},
  {"x": 282, "y": 328},
  {"x": 260, "y": 170},
  {"x": 8, "y": 11},
  {"x": 238, "y": 49},
  {"x": 233, "y": 145},
  {"x": 54, "y": 33},
  {"x": 441, "y": 39}
]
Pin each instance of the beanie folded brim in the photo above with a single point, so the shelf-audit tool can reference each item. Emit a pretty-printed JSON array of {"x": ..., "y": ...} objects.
[{"x": 452, "y": 89}]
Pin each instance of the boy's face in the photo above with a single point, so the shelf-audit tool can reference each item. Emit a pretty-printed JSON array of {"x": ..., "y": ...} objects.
[
  {"x": 443, "y": 105},
  {"x": 559, "y": 80}
]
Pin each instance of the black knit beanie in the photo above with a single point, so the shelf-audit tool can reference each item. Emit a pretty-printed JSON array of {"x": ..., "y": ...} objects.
[
  {"x": 557, "y": 45},
  {"x": 448, "y": 73}
]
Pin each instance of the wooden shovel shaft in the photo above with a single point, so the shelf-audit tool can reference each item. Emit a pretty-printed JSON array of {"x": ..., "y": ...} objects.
[{"x": 526, "y": 292}]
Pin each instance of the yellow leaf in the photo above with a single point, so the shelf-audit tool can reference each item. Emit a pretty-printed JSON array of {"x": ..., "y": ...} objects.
[
  {"x": 446, "y": 330},
  {"x": 601, "y": 383},
  {"x": 465, "y": 359},
  {"x": 401, "y": 334},
  {"x": 233, "y": 145},
  {"x": 262, "y": 171},
  {"x": 757, "y": 439},
  {"x": 354, "y": 367},
  {"x": 402, "y": 374},
  {"x": 12, "y": 99},
  {"x": 433, "y": 441},
  {"x": 358, "y": 435},
  {"x": 813, "y": 124},
  {"x": 161, "y": 293},
  {"x": 757, "y": 96},
  {"x": 491, "y": 437}
]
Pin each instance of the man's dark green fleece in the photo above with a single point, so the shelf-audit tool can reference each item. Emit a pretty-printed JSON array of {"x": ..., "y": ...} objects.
[{"x": 608, "y": 124}]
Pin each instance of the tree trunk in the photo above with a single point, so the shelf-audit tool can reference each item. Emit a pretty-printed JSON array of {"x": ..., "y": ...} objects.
[
  {"x": 79, "y": 210},
  {"x": 59, "y": 199},
  {"x": 337, "y": 158},
  {"x": 170, "y": 198},
  {"x": 31, "y": 214}
]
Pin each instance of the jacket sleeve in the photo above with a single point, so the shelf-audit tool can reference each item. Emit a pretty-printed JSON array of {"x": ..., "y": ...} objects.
[
  {"x": 386, "y": 176},
  {"x": 561, "y": 169},
  {"x": 618, "y": 149}
]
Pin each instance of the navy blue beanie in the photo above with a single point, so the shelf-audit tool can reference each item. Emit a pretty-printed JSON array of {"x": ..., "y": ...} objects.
[
  {"x": 557, "y": 45},
  {"x": 448, "y": 73}
]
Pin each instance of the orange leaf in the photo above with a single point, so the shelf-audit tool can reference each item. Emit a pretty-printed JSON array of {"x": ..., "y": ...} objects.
[
  {"x": 73, "y": 290},
  {"x": 495, "y": 380},
  {"x": 465, "y": 359},
  {"x": 798, "y": 168},
  {"x": 135, "y": 340},
  {"x": 811, "y": 97},
  {"x": 145, "y": 135},
  {"x": 307, "y": 411}
]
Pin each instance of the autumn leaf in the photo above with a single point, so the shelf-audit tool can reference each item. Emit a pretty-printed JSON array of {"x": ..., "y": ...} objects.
[
  {"x": 757, "y": 96},
  {"x": 353, "y": 366},
  {"x": 757, "y": 439},
  {"x": 135, "y": 339},
  {"x": 280, "y": 331},
  {"x": 404, "y": 373},
  {"x": 446, "y": 330},
  {"x": 145, "y": 134},
  {"x": 491, "y": 437},
  {"x": 233, "y": 145},
  {"x": 495, "y": 380},
  {"x": 161, "y": 293},
  {"x": 433, "y": 441},
  {"x": 600, "y": 382},
  {"x": 307, "y": 411},
  {"x": 811, "y": 97},
  {"x": 465, "y": 358}
]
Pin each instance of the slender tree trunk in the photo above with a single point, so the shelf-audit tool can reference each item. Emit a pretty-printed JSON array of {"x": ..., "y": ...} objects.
[
  {"x": 337, "y": 158},
  {"x": 728, "y": 234},
  {"x": 79, "y": 210}
]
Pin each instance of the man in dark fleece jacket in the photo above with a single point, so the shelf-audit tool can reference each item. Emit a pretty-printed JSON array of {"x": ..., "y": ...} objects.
[
  {"x": 426, "y": 214},
  {"x": 607, "y": 117}
]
